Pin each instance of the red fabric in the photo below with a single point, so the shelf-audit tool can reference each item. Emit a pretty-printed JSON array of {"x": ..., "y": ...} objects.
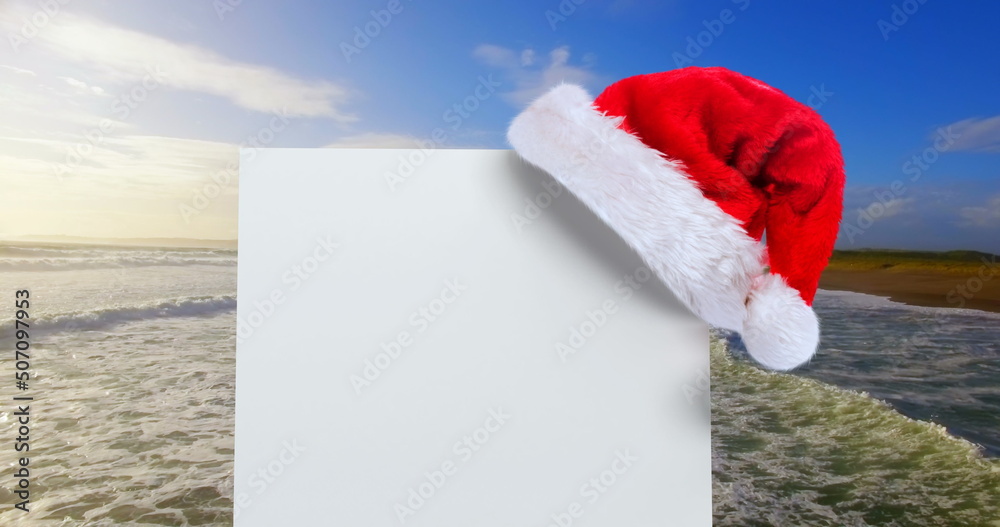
[{"x": 764, "y": 158}]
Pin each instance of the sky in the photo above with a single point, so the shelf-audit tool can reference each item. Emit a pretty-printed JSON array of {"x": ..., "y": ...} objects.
[{"x": 124, "y": 119}]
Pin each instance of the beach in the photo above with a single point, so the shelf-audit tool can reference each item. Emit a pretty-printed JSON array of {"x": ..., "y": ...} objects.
[
  {"x": 956, "y": 279},
  {"x": 920, "y": 288}
]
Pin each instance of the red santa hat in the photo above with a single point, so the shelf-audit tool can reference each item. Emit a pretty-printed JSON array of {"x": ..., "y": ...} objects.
[{"x": 690, "y": 167}]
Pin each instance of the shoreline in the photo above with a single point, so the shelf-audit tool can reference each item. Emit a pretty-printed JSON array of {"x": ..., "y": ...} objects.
[{"x": 919, "y": 287}]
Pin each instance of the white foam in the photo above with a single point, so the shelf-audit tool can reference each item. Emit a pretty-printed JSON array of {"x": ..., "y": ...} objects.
[
  {"x": 91, "y": 319},
  {"x": 67, "y": 264},
  {"x": 868, "y": 301}
]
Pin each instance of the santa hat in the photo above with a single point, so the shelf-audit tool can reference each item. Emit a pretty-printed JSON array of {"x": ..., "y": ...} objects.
[{"x": 689, "y": 167}]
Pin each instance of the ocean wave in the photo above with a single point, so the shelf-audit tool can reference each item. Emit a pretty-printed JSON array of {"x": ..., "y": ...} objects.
[
  {"x": 55, "y": 258},
  {"x": 103, "y": 317},
  {"x": 789, "y": 450},
  {"x": 7, "y": 250},
  {"x": 105, "y": 262}
]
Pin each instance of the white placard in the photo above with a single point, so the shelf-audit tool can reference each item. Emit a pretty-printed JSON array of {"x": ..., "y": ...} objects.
[{"x": 448, "y": 338}]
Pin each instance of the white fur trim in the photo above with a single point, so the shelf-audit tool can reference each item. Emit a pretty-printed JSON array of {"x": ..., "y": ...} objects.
[
  {"x": 701, "y": 253},
  {"x": 781, "y": 331}
]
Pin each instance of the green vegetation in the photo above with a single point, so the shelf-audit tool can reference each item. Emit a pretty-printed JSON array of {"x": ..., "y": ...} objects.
[{"x": 902, "y": 260}]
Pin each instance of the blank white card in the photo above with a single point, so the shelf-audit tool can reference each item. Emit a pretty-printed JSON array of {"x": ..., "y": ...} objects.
[{"x": 449, "y": 338}]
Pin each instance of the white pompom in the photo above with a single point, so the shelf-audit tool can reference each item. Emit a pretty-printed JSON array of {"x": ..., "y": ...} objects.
[{"x": 781, "y": 332}]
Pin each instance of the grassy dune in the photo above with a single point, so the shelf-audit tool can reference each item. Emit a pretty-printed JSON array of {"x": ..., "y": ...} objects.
[{"x": 958, "y": 262}]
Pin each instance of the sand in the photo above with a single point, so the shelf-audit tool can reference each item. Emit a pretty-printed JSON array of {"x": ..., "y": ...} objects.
[{"x": 922, "y": 288}]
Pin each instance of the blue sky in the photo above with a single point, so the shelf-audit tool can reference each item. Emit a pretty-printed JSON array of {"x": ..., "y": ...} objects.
[{"x": 226, "y": 70}]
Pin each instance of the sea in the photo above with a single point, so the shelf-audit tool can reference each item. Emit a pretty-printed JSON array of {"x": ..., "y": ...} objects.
[
  {"x": 134, "y": 358},
  {"x": 896, "y": 421}
]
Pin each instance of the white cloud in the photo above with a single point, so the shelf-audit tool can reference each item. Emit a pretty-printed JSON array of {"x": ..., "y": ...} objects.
[
  {"x": 527, "y": 57},
  {"x": 987, "y": 215},
  {"x": 128, "y": 186},
  {"x": 880, "y": 203},
  {"x": 496, "y": 56},
  {"x": 75, "y": 163},
  {"x": 866, "y": 201},
  {"x": 149, "y": 166},
  {"x": 18, "y": 71},
  {"x": 75, "y": 83},
  {"x": 531, "y": 76},
  {"x": 96, "y": 90},
  {"x": 50, "y": 106},
  {"x": 977, "y": 134},
  {"x": 123, "y": 56},
  {"x": 897, "y": 206}
]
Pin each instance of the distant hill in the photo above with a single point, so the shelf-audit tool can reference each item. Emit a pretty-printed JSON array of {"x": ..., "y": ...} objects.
[
  {"x": 903, "y": 260},
  {"x": 187, "y": 243}
]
